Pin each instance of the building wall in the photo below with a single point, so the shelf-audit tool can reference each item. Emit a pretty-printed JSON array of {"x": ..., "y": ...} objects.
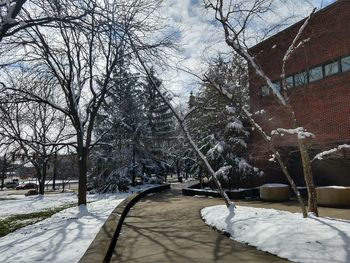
[{"x": 322, "y": 107}]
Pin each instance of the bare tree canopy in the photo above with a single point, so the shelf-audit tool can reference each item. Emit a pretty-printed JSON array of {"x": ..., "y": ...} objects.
[{"x": 79, "y": 57}]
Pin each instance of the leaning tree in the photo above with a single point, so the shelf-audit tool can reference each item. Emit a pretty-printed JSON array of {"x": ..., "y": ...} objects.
[{"x": 235, "y": 18}]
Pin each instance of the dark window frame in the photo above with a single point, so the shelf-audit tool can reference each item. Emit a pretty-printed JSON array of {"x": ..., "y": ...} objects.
[
  {"x": 341, "y": 64},
  {"x": 322, "y": 73},
  {"x": 306, "y": 79},
  {"x": 326, "y": 64},
  {"x": 307, "y": 71}
]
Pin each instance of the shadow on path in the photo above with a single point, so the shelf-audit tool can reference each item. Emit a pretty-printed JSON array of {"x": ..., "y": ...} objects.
[{"x": 167, "y": 227}]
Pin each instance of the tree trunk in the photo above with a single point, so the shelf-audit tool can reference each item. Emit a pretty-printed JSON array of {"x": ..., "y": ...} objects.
[
  {"x": 2, "y": 178},
  {"x": 54, "y": 172},
  {"x": 280, "y": 162},
  {"x": 43, "y": 179},
  {"x": 292, "y": 184},
  {"x": 133, "y": 180},
  {"x": 82, "y": 165},
  {"x": 309, "y": 180},
  {"x": 178, "y": 171},
  {"x": 200, "y": 175},
  {"x": 3, "y": 172},
  {"x": 308, "y": 176}
]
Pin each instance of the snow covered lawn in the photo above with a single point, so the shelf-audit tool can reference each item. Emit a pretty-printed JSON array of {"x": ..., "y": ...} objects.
[
  {"x": 285, "y": 234},
  {"x": 64, "y": 237},
  {"x": 20, "y": 204}
]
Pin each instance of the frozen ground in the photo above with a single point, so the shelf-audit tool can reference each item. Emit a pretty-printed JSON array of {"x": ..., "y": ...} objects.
[
  {"x": 288, "y": 235},
  {"x": 64, "y": 237}
]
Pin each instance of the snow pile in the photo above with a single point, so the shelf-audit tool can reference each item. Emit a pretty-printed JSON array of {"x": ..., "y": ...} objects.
[
  {"x": 64, "y": 237},
  {"x": 288, "y": 235}
]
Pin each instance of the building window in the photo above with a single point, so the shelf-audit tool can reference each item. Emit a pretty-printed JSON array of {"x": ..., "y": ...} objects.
[
  {"x": 345, "y": 64},
  {"x": 315, "y": 74},
  {"x": 265, "y": 91},
  {"x": 290, "y": 82},
  {"x": 331, "y": 68},
  {"x": 300, "y": 79},
  {"x": 277, "y": 85}
]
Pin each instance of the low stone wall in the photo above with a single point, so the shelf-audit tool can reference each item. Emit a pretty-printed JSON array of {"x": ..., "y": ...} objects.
[
  {"x": 233, "y": 194},
  {"x": 108, "y": 234},
  {"x": 333, "y": 196},
  {"x": 274, "y": 192}
]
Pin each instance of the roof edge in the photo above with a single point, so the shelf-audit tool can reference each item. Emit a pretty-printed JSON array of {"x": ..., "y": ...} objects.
[{"x": 299, "y": 22}]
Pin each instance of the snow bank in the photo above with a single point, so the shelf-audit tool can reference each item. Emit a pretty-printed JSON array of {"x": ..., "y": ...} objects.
[
  {"x": 288, "y": 235},
  {"x": 64, "y": 237}
]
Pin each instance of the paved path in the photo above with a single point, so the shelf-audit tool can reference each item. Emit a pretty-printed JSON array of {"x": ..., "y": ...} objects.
[{"x": 167, "y": 227}]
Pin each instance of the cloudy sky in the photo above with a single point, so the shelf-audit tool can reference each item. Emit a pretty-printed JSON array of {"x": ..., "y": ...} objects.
[{"x": 200, "y": 36}]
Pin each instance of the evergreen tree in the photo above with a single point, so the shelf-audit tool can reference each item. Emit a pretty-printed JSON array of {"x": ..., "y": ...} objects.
[
  {"x": 218, "y": 126},
  {"x": 133, "y": 126},
  {"x": 162, "y": 131},
  {"x": 121, "y": 127}
]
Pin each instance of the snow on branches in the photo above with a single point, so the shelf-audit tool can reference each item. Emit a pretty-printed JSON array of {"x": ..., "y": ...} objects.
[
  {"x": 325, "y": 154},
  {"x": 223, "y": 172},
  {"x": 300, "y": 132}
]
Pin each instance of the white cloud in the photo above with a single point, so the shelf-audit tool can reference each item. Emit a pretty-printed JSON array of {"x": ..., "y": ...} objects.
[{"x": 201, "y": 37}]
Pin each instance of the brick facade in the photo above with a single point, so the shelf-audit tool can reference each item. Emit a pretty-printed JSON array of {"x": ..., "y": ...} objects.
[{"x": 322, "y": 107}]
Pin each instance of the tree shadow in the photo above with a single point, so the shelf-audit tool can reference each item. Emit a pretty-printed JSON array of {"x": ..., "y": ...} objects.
[
  {"x": 343, "y": 235},
  {"x": 168, "y": 228},
  {"x": 46, "y": 242}
]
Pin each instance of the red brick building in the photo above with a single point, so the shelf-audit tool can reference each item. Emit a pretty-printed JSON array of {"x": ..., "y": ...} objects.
[{"x": 318, "y": 78}]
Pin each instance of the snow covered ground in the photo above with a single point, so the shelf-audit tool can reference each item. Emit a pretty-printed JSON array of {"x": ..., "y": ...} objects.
[
  {"x": 19, "y": 204},
  {"x": 64, "y": 237},
  {"x": 288, "y": 235}
]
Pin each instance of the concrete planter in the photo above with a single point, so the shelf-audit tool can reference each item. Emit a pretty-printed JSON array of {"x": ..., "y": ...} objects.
[
  {"x": 251, "y": 193},
  {"x": 333, "y": 196},
  {"x": 274, "y": 192}
]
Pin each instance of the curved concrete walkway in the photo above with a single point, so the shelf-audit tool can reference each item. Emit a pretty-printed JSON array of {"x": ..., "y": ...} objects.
[{"x": 167, "y": 227}]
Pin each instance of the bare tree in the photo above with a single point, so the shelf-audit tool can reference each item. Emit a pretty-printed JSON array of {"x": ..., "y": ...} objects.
[
  {"x": 234, "y": 16},
  {"x": 17, "y": 15},
  {"x": 9, "y": 10},
  {"x": 81, "y": 57},
  {"x": 34, "y": 129}
]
